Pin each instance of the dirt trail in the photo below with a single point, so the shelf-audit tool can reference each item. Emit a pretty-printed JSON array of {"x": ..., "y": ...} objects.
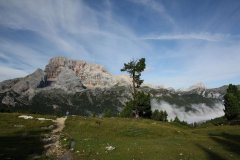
[
  {"x": 54, "y": 148},
  {"x": 60, "y": 122}
]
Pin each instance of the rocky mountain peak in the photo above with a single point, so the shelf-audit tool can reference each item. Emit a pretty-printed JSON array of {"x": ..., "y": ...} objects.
[
  {"x": 91, "y": 75},
  {"x": 198, "y": 86}
]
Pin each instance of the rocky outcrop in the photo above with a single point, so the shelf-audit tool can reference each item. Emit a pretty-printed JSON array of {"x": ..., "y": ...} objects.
[
  {"x": 68, "y": 76},
  {"x": 8, "y": 84},
  {"x": 9, "y": 101},
  {"x": 29, "y": 82},
  {"x": 68, "y": 81},
  {"x": 24, "y": 85},
  {"x": 90, "y": 75},
  {"x": 197, "y": 87}
]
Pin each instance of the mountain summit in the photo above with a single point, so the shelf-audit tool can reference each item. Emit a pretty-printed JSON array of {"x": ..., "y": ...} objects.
[
  {"x": 90, "y": 75},
  {"x": 64, "y": 85},
  {"x": 65, "y": 74}
]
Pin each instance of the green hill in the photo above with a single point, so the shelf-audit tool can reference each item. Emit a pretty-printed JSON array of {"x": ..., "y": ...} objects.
[{"x": 147, "y": 139}]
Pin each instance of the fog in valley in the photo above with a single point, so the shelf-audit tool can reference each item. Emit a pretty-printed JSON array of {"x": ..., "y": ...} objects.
[{"x": 200, "y": 112}]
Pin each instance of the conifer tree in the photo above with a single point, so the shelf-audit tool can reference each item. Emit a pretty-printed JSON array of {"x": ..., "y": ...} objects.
[
  {"x": 135, "y": 68},
  {"x": 232, "y": 103},
  {"x": 140, "y": 103}
]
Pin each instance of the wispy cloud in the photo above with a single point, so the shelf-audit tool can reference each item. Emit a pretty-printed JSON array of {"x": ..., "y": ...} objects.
[
  {"x": 9, "y": 73},
  {"x": 71, "y": 28},
  {"x": 157, "y": 7},
  {"x": 105, "y": 35},
  {"x": 20, "y": 56},
  {"x": 189, "y": 36},
  {"x": 208, "y": 63}
]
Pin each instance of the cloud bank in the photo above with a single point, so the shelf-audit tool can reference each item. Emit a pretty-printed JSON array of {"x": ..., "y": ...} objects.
[{"x": 199, "y": 112}]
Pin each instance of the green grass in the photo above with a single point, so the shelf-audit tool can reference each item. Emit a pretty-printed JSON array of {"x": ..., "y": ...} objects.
[
  {"x": 20, "y": 138},
  {"x": 146, "y": 139}
]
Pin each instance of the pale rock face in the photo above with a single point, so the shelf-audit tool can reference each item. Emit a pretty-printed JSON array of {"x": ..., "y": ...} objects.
[
  {"x": 198, "y": 86},
  {"x": 7, "y": 84},
  {"x": 69, "y": 75},
  {"x": 90, "y": 75},
  {"x": 8, "y": 101},
  {"x": 29, "y": 82},
  {"x": 68, "y": 81},
  {"x": 123, "y": 80},
  {"x": 23, "y": 85}
]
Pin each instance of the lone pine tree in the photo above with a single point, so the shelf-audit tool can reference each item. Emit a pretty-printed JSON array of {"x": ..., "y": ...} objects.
[{"x": 140, "y": 103}]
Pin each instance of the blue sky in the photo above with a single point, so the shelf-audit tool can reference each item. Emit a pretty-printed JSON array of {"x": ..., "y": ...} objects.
[{"x": 184, "y": 42}]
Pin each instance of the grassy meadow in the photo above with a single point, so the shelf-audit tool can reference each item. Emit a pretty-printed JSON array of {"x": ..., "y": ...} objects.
[
  {"x": 119, "y": 139},
  {"x": 20, "y": 139},
  {"x": 141, "y": 139}
]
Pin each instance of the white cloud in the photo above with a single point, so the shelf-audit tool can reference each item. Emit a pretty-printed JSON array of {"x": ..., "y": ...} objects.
[
  {"x": 9, "y": 73},
  {"x": 199, "y": 62},
  {"x": 75, "y": 29},
  {"x": 155, "y": 6},
  {"x": 188, "y": 36},
  {"x": 20, "y": 56},
  {"x": 200, "y": 112}
]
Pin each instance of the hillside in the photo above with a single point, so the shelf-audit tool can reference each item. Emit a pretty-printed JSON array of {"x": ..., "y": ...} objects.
[
  {"x": 118, "y": 138},
  {"x": 115, "y": 138},
  {"x": 23, "y": 138}
]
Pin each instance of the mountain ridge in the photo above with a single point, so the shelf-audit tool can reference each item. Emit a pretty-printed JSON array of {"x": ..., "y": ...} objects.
[{"x": 87, "y": 89}]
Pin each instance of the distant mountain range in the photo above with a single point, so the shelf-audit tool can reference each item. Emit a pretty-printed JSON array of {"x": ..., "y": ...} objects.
[{"x": 87, "y": 89}]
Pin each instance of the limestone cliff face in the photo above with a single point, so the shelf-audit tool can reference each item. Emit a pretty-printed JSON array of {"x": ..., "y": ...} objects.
[
  {"x": 70, "y": 76},
  {"x": 23, "y": 85},
  {"x": 91, "y": 75}
]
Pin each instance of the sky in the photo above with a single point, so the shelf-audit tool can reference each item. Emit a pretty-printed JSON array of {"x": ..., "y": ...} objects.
[{"x": 184, "y": 41}]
